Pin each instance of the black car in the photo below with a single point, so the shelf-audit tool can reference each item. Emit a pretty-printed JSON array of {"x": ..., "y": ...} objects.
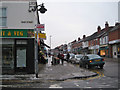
[{"x": 90, "y": 60}]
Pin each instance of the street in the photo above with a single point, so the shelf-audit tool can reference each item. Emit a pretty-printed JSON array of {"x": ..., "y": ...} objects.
[{"x": 106, "y": 78}]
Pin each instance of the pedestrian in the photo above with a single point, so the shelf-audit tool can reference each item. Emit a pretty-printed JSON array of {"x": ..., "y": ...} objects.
[
  {"x": 68, "y": 56},
  {"x": 53, "y": 60},
  {"x": 62, "y": 58}
]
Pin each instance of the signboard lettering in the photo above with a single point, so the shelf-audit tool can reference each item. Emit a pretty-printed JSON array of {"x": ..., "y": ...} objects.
[{"x": 16, "y": 33}]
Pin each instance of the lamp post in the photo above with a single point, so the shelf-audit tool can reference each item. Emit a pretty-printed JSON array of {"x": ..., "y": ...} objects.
[
  {"x": 42, "y": 10},
  {"x": 50, "y": 42}
]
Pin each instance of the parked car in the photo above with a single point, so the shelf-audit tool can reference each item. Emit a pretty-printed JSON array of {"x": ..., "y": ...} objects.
[
  {"x": 90, "y": 60},
  {"x": 77, "y": 58},
  {"x": 72, "y": 55},
  {"x": 65, "y": 57}
]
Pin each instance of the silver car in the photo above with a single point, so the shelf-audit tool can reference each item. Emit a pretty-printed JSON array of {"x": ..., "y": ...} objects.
[{"x": 77, "y": 58}]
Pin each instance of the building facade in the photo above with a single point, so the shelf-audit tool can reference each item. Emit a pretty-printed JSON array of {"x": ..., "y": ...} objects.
[
  {"x": 17, "y": 34},
  {"x": 114, "y": 41}
]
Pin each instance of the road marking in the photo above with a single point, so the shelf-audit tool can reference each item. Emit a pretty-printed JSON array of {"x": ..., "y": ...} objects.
[
  {"x": 55, "y": 86},
  {"x": 88, "y": 87},
  {"x": 77, "y": 84},
  {"x": 99, "y": 75}
]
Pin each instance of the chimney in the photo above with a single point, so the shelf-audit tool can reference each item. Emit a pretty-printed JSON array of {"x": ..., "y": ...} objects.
[
  {"x": 79, "y": 39},
  {"x": 84, "y": 36},
  {"x": 99, "y": 28},
  {"x": 106, "y": 25}
]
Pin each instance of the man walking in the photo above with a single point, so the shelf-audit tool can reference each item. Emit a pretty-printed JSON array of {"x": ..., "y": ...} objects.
[
  {"x": 68, "y": 56},
  {"x": 61, "y": 57}
]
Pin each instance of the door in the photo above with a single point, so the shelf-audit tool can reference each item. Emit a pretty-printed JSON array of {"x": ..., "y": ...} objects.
[
  {"x": 20, "y": 58},
  {"x": 114, "y": 51}
]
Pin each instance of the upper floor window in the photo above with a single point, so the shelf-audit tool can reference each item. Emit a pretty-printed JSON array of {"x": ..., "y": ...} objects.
[
  {"x": 3, "y": 17},
  {"x": 101, "y": 40}
]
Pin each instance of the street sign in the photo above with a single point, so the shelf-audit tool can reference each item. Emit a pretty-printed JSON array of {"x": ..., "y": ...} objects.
[
  {"x": 42, "y": 35},
  {"x": 40, "y": 27}
]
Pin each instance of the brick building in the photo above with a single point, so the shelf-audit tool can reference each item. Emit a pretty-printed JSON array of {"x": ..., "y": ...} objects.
[{"x": 114, "y": 41}]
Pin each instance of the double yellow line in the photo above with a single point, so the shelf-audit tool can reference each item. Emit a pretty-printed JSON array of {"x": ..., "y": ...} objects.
[{"x": 100, "y": 74}]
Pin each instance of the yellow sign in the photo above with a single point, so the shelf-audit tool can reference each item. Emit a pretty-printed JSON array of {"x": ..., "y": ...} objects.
[{"x": 42, "y": 35}]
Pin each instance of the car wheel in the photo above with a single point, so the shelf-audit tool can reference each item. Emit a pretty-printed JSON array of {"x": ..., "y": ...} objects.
[{"x": 101, "y": 67}]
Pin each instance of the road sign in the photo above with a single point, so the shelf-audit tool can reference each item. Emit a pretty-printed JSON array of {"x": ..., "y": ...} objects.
[
  {"x": 40, "y": 27},
  {"x": 42, "y": 35}
]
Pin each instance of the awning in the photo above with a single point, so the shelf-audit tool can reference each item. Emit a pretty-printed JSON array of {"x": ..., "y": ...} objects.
[{"x": 44, "y": 44}]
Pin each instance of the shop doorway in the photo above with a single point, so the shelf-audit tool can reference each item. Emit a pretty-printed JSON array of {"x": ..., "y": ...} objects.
[{"x": 21, "y": 59}]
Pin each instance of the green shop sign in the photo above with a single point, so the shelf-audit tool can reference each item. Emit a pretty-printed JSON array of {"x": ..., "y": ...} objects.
[{"x": 16, "y": 33}]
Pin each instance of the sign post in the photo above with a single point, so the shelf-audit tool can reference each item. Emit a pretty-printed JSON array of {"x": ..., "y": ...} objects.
[{"x": 39, "y": 27}]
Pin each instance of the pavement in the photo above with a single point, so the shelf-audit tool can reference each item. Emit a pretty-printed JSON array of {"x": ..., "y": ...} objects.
[
  {"x": 57, "y": 72},
  {"x": 112, "y": 59}
]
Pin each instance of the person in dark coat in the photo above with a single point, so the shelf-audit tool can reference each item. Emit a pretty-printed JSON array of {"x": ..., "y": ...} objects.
[
  {"x": 61, "y": 57},
  {"x": 68, "y": 56}
]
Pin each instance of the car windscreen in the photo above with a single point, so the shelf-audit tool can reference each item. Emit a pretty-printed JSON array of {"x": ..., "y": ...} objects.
[{"x": 93, "y": 56}]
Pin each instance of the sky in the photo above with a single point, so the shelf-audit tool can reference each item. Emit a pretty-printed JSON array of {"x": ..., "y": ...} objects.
[{"x": 66, "y": 20}]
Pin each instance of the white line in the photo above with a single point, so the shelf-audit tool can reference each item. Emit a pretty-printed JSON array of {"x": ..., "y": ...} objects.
[{"x": 55, "y": 86}]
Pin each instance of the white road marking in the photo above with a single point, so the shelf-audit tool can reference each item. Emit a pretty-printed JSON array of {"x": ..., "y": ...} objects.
[{"x": 55, "y": 86}]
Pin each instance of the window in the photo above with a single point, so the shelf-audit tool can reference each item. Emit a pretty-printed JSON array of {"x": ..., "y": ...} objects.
[
  {"x": 3, "y": 17},
  {"x": 101, "y": 40}
]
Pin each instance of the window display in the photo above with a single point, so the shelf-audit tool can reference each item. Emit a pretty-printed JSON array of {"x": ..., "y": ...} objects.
[{"x": 7, "y": 56}]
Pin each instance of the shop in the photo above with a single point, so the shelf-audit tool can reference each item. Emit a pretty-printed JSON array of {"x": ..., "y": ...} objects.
[
  {"x": 94, "y": 49},
  {"x": 104, "y": 51},
  {"x": 17, "y": 51},
  {"x": 115, "y": 48},
  {"x": 118, "y": 48}
]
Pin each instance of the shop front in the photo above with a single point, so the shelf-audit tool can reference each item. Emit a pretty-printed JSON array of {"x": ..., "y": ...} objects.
[
  {"x": 104, "y": 51},
  {"x": 115, "y": 48},
  {"x": 17, "y": 51}
]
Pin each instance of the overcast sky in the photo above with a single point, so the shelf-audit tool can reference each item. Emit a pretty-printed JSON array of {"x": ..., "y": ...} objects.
[{"x": 66, "y": 20}]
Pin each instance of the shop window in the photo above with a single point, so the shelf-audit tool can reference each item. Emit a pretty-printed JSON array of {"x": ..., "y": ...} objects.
[
  {"x": 118, "y": 50},
  {"x": 7, "y": 56},
  {"x": 102, "y": 52}
]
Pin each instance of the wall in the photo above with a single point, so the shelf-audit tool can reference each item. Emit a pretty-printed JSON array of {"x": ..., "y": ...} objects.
[
  {"x": 119, "y": 11},
  {"x": 18, "y": 16},
  {"x": 114, "y": 35}
]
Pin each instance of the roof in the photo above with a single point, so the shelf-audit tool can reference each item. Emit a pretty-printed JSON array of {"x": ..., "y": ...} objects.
[
  {"x": 95, "y": 35},
  {"x": 115, "y": 27}
]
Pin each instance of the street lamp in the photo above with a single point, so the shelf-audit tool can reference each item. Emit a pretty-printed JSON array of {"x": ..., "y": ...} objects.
[
  {"x": 50, "y": 42},
  {"x": 42, "y": 10}
]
